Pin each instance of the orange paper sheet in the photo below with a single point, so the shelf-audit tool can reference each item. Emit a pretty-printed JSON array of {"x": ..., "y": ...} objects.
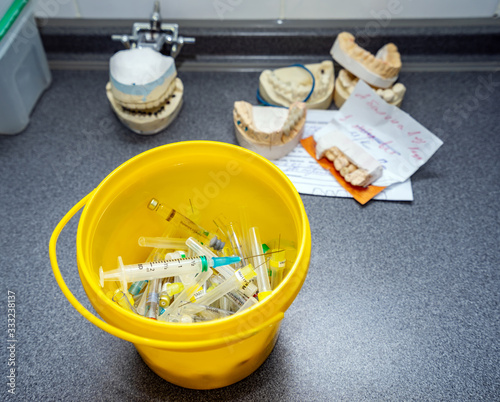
[{"x": 360, "y": 194}]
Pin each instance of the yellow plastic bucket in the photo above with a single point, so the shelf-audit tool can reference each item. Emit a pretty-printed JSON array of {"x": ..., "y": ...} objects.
[{"x": 210, "y": 178}]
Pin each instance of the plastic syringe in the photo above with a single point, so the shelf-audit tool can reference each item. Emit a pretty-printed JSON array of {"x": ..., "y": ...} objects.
[
  {"x": 237, "y": 296},
  {"x": 185, "y": 278},
  {"x": 240, "y": 279},
  {"x": 234, "y": 236},
  {"x": 199, "y": 249},
  {"x": 162, "y": 269},
  {"x": 153, "y": 299},
  {"x": 260, "y": 264}
]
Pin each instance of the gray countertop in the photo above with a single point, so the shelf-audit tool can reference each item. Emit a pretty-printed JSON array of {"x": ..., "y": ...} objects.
[{"x": 401, "y": 301}]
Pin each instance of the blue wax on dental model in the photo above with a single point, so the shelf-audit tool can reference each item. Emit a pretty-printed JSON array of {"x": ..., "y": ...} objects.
[{"x": 144, "y": 89}]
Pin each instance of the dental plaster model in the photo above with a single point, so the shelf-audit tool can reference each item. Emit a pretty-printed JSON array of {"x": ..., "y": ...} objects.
[
  {"x": 287, "y": 85},
  {"x": 345, "y": 83},
  {"x": 270, "y": 131},
  {"x": 380, "y": 70},
  {"x": 143, "y": 89},
  {"x": 353, "y": 163}
]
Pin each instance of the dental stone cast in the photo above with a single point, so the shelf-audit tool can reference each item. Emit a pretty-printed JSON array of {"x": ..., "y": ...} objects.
[
  {"x": 346, "y": 82},
  {"x": 140, "y": 75},
  {"x": 143, "y": 89},
  {"x": 271, "y": 132},
  {"x": 353, "y": 163},
  {"x": 380, "y": 70},
  {"x": 287, "y": 85}
]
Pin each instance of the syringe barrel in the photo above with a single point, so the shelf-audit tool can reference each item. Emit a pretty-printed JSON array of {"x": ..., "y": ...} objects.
[
  {"x": 236, "y": 296},
  {"x": 162, "y": 242},
  {"x": 153, "y": 299},
  {"x": 158, "y": 269},
  {"x": 259, "y": 261},
  {"x": 219, "y": 291},
  {"x": 240, "y": 278},
  {"x": 234, "y": 236}
]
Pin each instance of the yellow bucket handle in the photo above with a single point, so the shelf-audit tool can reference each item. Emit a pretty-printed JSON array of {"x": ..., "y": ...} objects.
[{"x": 168, "y": 345}]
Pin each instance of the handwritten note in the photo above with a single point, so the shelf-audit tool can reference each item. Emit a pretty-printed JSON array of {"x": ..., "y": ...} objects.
[
  {"x": 310, "y": 178},
  {"x": 393, "y": 137}
]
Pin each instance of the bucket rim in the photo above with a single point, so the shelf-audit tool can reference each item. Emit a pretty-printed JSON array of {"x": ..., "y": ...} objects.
[{"x": 295, "y": 276}]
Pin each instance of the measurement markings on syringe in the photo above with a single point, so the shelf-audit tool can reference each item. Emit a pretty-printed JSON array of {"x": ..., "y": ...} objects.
[{"x": 176, "y": 263}]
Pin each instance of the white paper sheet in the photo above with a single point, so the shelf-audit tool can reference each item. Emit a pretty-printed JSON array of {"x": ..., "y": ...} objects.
[
  {"x": 310, "y": 178},
  {"x": 393, "y": 137}
]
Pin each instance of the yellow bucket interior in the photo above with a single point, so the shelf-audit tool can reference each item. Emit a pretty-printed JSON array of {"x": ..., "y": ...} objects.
[{"x": 203, "y": 179}]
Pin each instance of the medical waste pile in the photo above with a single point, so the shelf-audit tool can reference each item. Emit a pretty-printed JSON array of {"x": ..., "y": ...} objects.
[{"x": 194, "y": 275}]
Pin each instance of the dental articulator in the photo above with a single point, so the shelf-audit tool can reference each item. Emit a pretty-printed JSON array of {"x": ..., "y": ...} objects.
[{"x": 143, "y": 89}]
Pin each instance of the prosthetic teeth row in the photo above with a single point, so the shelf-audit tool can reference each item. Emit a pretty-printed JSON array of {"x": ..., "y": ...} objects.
[
  {"x": 154, "y": 103},
  {"x": 295, "y": 115},
  {"x": 149, "y": 121},
  {"x": 285, "y": 86},
  {"x": 353, "y": 163},
  {"x": 269, "y": 131},
  {"x": 393, "y": 95},
  {"x": 349, "y": 171},
  {"x": 346, "y": 82},
  {"x": 143, "y": 89},
  {"x": 286, "y": 90}
]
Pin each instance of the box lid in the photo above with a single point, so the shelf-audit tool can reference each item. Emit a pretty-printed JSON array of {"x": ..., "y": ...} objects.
[{"x": 10, "y": 16}]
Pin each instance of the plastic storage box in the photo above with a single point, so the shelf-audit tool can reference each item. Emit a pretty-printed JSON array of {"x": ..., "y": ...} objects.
[{"x": 24, "y": 71}]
